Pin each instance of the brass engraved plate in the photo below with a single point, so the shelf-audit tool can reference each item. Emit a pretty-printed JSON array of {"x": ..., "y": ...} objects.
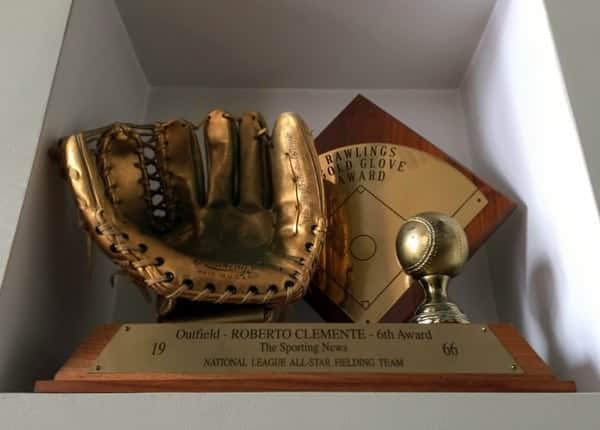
[
  {"x": 371, "y": 189},
  {"x": 382, "y": 348}
]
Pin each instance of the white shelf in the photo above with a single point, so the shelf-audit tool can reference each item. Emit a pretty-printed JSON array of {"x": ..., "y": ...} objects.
[{"x": 338, "y": 411}]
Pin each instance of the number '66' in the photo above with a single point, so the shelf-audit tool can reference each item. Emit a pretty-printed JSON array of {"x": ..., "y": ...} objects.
[{"x": 450, "y": 348}]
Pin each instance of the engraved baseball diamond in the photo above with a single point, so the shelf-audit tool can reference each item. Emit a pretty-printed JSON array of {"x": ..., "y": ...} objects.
[
  {"x": 148, "y": 208},
  {"x": 426, "y": 183},
  {"x": 363, "y": 247},
  {"x": 379, "y": 214}
]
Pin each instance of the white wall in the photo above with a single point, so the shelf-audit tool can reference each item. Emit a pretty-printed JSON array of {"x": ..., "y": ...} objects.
[
  {"x": 437, "y": 115},
  {"x": 48, "y": 301},
  {"x": 543, "y": 262},
  {"x": 305, "y": 44},
  {"x": 30, "y": 45},
  {"x": 576, "y": 35}
]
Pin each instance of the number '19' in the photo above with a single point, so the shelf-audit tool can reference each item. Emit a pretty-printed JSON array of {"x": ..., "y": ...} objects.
[{"x": 158, "y": 348}]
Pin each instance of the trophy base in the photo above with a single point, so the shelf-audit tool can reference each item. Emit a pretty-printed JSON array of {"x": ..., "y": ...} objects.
[
  {"x": 80, "y": 374},
  {"x": 434, "y": 313}
]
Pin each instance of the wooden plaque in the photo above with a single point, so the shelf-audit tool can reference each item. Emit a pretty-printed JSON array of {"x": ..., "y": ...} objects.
[
  {"x": 378, "y": 173},
  {"x": 83, "y": 372}
]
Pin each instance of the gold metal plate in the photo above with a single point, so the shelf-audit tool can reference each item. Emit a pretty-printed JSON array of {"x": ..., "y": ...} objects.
[
  {"x": 219, "y": 348},
  {"x": 371, "y": 190}
]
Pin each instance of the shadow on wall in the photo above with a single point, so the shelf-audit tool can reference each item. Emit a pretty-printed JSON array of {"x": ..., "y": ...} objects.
[
  {"x": 525, "y": 143},
  {"x": 507, "y": 259},
  {"x": 546, "y": 310},
  {"x": 48, "y": 301},
  {"x": 527, "y": 296}
]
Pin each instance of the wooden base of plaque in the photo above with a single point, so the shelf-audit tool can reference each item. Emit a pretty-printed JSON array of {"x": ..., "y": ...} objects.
[{"x": 75, "y": 377}]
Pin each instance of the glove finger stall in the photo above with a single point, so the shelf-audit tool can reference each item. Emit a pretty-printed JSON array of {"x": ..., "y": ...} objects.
[
  {"x": 221, "y": 140},
  {"x": 252, "y": 169}
]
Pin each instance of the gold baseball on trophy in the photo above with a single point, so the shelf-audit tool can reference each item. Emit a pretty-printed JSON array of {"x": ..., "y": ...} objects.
[{"x": 432, "y": 248}]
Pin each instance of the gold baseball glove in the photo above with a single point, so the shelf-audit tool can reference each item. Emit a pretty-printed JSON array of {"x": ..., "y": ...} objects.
[{"x": 247, "y": 233}]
